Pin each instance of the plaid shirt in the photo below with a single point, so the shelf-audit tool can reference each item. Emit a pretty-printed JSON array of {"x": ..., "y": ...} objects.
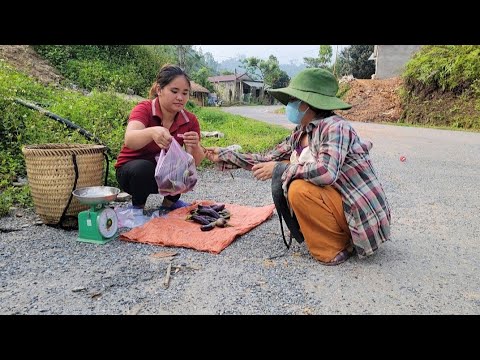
[{"x": 343, "y": 161}]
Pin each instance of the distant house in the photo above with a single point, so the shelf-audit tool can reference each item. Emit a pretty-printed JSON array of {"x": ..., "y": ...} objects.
[
  {"x": 198, "y": 94},
  {"x": 391, "y": 59},
  {"x": 238, "y": 88}
]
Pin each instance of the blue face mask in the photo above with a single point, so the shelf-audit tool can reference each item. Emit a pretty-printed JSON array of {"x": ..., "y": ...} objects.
[{"x": 293, "y": 113}]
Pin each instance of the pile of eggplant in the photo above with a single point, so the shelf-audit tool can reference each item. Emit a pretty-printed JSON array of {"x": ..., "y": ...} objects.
[{"x": 210, "y": 216}]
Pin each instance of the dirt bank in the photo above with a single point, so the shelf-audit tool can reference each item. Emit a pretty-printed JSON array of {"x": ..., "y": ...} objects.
[{"x": 374, "y": 100}]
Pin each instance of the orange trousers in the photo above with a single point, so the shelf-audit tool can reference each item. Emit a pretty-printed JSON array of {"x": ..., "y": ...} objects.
[{"x": 319, "y": 211}]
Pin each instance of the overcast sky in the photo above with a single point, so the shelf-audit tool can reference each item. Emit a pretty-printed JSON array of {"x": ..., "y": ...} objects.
[{"x": 284, "y": 53}]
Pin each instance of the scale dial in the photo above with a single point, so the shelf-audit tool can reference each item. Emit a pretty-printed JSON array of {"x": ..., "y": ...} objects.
[{"x": 107, "y": 223}]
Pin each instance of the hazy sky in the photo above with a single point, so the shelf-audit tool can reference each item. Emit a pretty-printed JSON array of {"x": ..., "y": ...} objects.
[{"x": 284, "y": 53}]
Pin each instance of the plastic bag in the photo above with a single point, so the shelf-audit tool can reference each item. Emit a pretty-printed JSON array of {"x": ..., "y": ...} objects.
[
  {"x": 175, "y": 172},
  {"x": 130, "y": 217}
]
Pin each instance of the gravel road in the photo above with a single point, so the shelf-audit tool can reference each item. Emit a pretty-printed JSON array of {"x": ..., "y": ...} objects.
[{"x": 431, "y": 265}]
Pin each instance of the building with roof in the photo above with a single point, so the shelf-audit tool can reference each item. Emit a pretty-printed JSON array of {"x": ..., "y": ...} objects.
[
  {"x": 198, "y": 94},
  {"x": 238, "y": 88}
]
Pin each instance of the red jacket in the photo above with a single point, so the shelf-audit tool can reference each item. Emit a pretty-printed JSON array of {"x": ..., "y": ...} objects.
[{"x": 148, "y": 112}]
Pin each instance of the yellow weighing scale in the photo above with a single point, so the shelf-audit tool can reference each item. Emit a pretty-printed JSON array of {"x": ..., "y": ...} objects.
[{"x": 99, "y": 224}]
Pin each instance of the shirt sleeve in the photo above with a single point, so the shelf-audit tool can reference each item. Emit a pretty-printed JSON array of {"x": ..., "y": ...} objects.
[
  {"x": 141, "y": 112},
  {"x": 329, "y": 148},
  {"x": 233, "y": 159},
  {"x": 195, "y": 126}
]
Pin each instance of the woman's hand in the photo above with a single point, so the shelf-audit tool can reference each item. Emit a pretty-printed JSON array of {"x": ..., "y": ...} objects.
[
  {"x": 161, "y": 136},
  {"x": 190, "y": 139},
  {"x": 212, "y": 153},
  {"x": 263, "y": 171}
]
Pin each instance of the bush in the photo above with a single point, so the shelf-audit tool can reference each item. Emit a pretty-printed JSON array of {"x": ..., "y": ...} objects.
[
  {"x": 114, "y": 67},
  {"x": 102, "y": 114},
  {"x": 442, "y": 87},
  {"x": 452, "y": 68}
]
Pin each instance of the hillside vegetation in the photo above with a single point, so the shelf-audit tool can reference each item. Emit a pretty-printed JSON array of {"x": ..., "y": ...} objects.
[
  {"x": 442, "y": 87},
  {"x": 122, "y": 68}
]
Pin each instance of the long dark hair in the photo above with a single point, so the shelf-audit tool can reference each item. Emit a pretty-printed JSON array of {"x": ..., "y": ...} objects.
[{"x": 165, "y": 76}]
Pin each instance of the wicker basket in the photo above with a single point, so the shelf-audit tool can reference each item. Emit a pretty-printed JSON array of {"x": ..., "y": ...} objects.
[{"x": 51, "y": 176}]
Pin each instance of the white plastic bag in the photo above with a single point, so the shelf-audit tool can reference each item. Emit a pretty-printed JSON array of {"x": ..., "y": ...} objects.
[
  {"x": 175, "y": 172},
  {"x": 129, "y": 217}
]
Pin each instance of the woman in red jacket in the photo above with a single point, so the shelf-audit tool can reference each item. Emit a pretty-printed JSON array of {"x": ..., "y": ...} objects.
[{"x": 151, "y": 127}]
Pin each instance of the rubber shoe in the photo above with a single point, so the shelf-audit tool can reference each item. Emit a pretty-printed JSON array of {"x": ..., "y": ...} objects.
[
  {"x": 179, "y": 204},
  {"x": 163, "y": 210}
]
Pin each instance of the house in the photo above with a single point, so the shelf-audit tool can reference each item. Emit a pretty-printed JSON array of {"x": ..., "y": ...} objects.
[
  {"x": 198, "y": 94},
  {"x": 391, "y": 59},
  {"x": 238, "y": 88}
]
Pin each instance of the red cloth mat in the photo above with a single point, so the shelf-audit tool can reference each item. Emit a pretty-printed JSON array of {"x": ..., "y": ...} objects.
[{"x": 174, "y": 230}]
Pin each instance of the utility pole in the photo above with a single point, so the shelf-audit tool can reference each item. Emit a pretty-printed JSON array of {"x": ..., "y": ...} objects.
[{"x": 335, "y": 62}]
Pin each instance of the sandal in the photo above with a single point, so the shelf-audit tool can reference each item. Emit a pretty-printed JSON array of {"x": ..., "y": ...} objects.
[
  {"x": 341, "y": 257},
  {"x": 163, "y": 210}
]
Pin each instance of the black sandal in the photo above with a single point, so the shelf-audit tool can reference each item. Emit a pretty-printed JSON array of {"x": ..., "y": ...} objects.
[{"x": 341, "y": 257}]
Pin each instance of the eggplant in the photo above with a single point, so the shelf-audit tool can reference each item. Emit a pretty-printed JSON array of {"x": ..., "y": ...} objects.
[
  {"x": 207, "y": 227},
  {"x": 218, "y": 207},
  {"x": 209, "y": 212},
  {"x": 200, "y": 219}
]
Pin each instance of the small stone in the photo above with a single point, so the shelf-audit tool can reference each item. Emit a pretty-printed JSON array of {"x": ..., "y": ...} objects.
[
  {"x": 78, "y": 289},
  {"x": 23, "y": 181}
]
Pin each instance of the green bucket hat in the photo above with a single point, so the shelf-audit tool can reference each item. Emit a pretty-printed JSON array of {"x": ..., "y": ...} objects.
[{"x": 317, "y": 87}]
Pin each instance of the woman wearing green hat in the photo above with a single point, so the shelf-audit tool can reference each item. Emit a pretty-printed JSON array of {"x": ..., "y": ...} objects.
[{"x": 323, "y": 182}]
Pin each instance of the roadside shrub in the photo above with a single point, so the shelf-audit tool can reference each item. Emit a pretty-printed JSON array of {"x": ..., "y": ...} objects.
[
  {"x": 443, "y": 67},
  {"x": 114, "y": 67}
]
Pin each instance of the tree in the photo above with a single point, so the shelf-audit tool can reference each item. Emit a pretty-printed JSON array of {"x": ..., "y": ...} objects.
[
  {"x": 323, "y": 60},
  {"x": 201, "y": 78},
  {"x": 210, "y": 62},
  {"x": 282, "y": 81},
  {"x": 267, "y": 70},
  {"x": 354, "y": 61}
]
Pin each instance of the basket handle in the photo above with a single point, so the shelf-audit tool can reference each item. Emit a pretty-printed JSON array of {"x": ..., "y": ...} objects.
[
  {"x": 75, "y": 166},
  {"x": 106, "y": 170}
]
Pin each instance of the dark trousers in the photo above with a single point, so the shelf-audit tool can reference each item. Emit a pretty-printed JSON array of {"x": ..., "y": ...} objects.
[
  {"x": 137, "y": 177},
  {"x": 281, "y": 203}
]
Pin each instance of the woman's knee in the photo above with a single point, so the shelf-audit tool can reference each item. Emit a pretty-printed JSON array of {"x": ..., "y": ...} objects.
[
  {"x": 297, "y": 190},
  {"x": 143, "y": 168}
]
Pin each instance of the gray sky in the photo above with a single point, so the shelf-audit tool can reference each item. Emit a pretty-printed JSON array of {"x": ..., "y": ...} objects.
[{"x": 284, "y": 53}]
